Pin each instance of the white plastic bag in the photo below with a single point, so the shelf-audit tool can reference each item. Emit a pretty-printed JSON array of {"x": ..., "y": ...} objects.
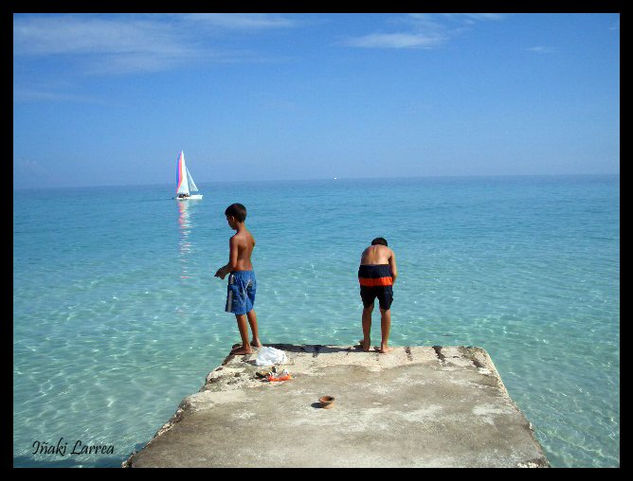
[{"x": 269, "y": 355}]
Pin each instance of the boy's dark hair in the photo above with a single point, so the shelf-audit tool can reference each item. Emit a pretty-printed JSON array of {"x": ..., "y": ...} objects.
[
  {"x": 236, "y": 210},
  {"x": 379, "y": 240}
]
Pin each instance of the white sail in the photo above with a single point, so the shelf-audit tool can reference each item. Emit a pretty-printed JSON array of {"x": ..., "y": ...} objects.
[
  {"x": 192, "y": 184},
  {"x": 184, "y": 187}
]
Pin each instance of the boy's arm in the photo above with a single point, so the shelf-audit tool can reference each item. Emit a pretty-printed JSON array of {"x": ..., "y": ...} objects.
[
  {"x": 224, "y": 270},
  {"x": 394, "y": 268}
]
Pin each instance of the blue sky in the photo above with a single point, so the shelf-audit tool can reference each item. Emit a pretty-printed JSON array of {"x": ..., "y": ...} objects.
[{"x": 110, "y": 99}]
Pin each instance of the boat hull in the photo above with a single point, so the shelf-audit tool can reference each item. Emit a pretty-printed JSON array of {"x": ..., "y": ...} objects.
[{"x": 191, "y": 197}]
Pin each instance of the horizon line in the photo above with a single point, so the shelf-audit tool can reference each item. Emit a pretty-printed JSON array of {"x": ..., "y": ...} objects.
[{"x": 317, "y": 179}]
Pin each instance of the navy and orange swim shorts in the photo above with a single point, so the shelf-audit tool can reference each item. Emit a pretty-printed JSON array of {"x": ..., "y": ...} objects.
[{"x": 376, "y": 282}]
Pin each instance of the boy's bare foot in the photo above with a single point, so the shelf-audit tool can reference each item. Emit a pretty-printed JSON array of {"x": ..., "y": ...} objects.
[
  {"x": 241, "y": 351},
  {"x": 384, "y": 349},
  {"x": 363, "y": 345},
  {"x": 256, "y": 343}
]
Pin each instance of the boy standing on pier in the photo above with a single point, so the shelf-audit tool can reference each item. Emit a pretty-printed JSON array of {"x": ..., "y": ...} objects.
[
  {"x": 376, "y": 274},
  {"x": 241, "y": 288}
]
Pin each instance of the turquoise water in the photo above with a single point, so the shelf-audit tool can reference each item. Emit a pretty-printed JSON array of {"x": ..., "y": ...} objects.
[{"x": 117, "y": 316}]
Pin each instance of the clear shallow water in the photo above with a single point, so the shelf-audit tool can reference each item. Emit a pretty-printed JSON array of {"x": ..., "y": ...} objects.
[{"x": 116, "y": 315}]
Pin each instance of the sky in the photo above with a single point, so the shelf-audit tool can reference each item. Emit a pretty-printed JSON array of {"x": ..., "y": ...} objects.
[{"x": 111, "y": 99}]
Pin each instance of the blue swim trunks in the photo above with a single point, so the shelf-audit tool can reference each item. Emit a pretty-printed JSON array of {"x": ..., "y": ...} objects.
[{"x": 240, "y": 292}]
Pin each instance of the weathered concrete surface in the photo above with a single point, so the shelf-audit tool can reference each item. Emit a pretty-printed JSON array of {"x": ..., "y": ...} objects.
[{"x": 413, "y": 407}]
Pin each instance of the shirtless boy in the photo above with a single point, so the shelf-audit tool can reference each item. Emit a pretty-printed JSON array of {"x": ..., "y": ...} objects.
[
  {"x": 241, "y": 288},
  {"x": 376, "y": 274}
]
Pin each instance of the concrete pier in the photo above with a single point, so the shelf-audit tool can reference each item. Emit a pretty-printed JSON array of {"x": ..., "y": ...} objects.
[{"x": 441, "y": 406}]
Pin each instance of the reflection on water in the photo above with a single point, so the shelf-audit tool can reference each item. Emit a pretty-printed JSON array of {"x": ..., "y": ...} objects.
[{"x": 184, "y": 244}]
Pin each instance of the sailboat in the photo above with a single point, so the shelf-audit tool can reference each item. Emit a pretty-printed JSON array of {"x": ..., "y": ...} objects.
[{"x": 184, "y": 182}]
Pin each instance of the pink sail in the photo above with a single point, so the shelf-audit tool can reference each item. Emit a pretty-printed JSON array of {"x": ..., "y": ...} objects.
[{"x": 181, "y": 174}]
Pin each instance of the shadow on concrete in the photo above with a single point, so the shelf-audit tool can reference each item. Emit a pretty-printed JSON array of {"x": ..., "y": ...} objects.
[{"x": 315, "y": 349}]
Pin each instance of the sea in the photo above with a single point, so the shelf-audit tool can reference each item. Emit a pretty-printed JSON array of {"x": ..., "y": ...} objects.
[{"x": 117, "y": 315}]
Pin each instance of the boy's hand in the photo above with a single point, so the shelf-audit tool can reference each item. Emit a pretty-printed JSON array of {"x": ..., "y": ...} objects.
[{"x": 221, "y": 273}]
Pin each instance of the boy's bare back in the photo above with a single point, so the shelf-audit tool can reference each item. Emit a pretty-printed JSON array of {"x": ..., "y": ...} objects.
[
  {"x": 242, "y": 244},
  {"x": 376, "y": 254}
]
